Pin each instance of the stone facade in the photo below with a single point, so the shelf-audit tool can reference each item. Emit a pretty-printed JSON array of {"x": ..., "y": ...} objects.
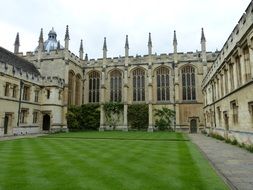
[
  {"x": 150, "y": 66},
  {"x": 228, "y": 86},
  {"x": 183, "y": 82}
]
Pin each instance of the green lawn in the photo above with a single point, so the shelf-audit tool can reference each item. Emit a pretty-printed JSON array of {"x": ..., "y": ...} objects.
[{"x": 105, "y": 160}]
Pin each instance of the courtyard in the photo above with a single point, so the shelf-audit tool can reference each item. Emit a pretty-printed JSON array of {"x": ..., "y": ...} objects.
[{"x": 106, "y": 160}]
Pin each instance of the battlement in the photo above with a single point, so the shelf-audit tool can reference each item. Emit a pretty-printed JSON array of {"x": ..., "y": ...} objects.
[
  {"x": 6, "y": 69},
  {"x": 188, "y": 56},
  {"x": 241, "y": 28},
  {"x": 52, "y": 81},
  {"x": 51, "y": 55}
]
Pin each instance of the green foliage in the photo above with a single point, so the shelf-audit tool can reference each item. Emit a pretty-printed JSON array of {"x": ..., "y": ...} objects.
[
  {"x": 138, "y": 116},
  {"x": 112, "y": 112},
  {"x": 217, "y": 136},
  {"x": 249, "y": 148},
  {"x": 165, "y": 117},
  {"x": 90, "y": 117},
  {"x": 232, "y": 141},
  {"x": 73, "y": 116},
  {"x": 86, "y": 117}
]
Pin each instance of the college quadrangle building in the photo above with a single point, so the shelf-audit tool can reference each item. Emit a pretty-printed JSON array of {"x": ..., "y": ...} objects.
[{"x": 211, "y": 90}]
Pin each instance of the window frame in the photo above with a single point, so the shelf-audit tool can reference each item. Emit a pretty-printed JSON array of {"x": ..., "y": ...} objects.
[
  {"x": 163, "y": 84},
  {"x": 94, "y": 80},
  {"x": 138, "y": 82},
  {"x": 188, "y": 82},
  {"x": 115, "y": 86}
]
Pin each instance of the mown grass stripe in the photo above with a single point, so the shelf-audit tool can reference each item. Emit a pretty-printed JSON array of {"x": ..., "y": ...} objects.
[
  {"x": 77, "y": 163},
  {"x": 114, "y": 138}
]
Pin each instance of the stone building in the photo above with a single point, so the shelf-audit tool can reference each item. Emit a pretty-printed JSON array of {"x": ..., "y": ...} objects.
[
  {"x": 228, "y": 85},
  {"x": 54, "y": 78},
  {"x": 59, "y": 78},
  {"x": 171, "y": 80}
]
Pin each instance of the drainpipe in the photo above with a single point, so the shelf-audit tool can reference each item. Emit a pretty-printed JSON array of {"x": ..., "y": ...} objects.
[{"x": 19, "y": 101}]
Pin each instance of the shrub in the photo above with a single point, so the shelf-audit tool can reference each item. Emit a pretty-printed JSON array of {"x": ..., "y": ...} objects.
[
  {"x": 112, "y": 112},
  {"x": 161, "y": 124},
  {"x": 227, "y": 140},
  {"x": 165, "y": 116},
  {"x": 86, "y": 117},
  {"x": 234, "y": 142},
  {"x": 90, "y": 117},
  {"x": 138, "y": 116},
  {"x": 72, "y": 117},
  {"x": 217, "y": 136},
  {"x": 249, "y": 148}
]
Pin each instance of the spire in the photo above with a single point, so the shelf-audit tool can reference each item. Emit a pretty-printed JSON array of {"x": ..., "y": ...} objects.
[
  {"x": 175, "y": 38},
  {"x": 203, "y": 51},
  {"x": 58, "y": 45},
  {"x": 67, "y": 33},
  {"x": 126, "y": 47},
  {"x": 86, "y": 57},
  {"x": 149, "y": 44},
  {"x": 41, "y": 36},
  {"x": 81, "y": 50},
  {"x": 105, "y": 45},
  {"x": 104, "y": 49},
  {"x": 67, "y": 38},
  {"x": 149, "y": 40},
  {"x": 175, "y": 46},
  {"x": 41, "y": 41},
  {"x": 127, "y": 44},
  {"x": 81, "y": 46},
  {"x": 16, "y": 44},
  {"x": 203, "y": 39}
]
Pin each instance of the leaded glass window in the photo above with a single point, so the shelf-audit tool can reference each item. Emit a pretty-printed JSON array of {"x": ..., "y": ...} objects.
[
  {"x": 116, "y": 86},
  {"x": 94, "y": 86},
  {"x": 138, "y": 85},
  {"x": 188, "y": 83},
  {"x": 163, "y": 84}
]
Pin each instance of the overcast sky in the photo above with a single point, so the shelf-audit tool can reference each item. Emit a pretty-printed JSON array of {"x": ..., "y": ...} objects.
[{"x": 95, "y": 19}]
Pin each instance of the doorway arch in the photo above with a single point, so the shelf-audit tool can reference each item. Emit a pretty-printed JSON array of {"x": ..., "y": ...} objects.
[
  {"x": 46, "y": 122},
  {"x": 6, "y": 123},
  {"x": 193, "y": 126}
]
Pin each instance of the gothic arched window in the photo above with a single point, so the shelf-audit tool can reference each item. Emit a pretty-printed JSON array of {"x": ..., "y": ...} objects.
[
  {"x": 188, "y": 83},
  {"x": 94, "y": 86},
  {"x": 115, "y": 86},
  {"x": 71, "y": 88},
  {"x": 163, "y": 84},
  {"x": 138, "y": 85},
  {"x": 78, "y": 90}
]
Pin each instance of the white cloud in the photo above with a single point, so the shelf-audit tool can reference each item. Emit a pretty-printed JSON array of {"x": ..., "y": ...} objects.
[{"x": 92, "y": 20}]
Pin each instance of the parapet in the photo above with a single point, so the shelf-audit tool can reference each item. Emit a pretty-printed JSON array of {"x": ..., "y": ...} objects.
[
  {"x": 244, "y": 24},
  {"x": 6, "y": 69},
  {"x": 53, "y": 81}
]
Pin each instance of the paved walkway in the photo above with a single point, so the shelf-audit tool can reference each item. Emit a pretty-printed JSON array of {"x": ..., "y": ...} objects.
[
  {"x": 5, "y": 138},
  {"x": 234, "y": 164}
]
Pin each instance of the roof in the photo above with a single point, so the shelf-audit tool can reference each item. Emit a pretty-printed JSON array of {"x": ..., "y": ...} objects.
[{"x": 18, "y": 62}]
